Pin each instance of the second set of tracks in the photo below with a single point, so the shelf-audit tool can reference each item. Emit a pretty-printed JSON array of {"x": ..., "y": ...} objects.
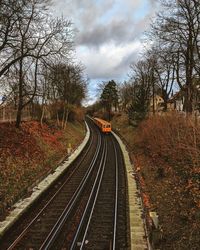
[{"x": 85, "y": 209}]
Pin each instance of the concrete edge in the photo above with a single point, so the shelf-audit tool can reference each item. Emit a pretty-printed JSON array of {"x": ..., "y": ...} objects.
[
  {"x": 22, "y": 205},
  {"x": 137, "y": 227}
]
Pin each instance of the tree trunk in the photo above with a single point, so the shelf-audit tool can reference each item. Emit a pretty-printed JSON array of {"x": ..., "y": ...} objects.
[
  {"x": 42, "y": 116},
  {"x": 165, "y": 99},
  {"x": 58, "y": 121},
  {"x": 188, "y": 100},
  {"x": 66, "y": 118},
  {"x": 63, "y": 118},
  {"x": 18, "y": 120},
  {"x": 20, "y": 95}
]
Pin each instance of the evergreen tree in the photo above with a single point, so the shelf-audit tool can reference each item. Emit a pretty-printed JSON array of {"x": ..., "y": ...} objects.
[
  {"x": 109, "y": 97},
  {"x": 138, "y": 110}
]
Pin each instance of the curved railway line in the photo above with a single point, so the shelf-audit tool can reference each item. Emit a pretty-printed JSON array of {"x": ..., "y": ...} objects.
[
  {"x": 85, "y": 209},
  {"x": 100, "y": 226}
]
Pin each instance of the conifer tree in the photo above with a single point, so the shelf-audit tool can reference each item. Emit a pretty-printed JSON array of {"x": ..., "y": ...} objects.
[{"x": 109, "y": 97}]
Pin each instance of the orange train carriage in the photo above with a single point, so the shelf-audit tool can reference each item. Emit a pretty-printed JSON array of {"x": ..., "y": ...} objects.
[{"x": 104, "y": 126}]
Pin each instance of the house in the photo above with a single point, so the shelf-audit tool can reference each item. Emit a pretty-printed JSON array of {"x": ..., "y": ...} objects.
[
  {"x": 156, "y": 103},
  {"x": 177, "y": 101}
]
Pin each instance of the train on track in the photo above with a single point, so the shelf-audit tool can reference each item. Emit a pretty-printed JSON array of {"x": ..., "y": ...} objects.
[{"x": 103, "y": 125}]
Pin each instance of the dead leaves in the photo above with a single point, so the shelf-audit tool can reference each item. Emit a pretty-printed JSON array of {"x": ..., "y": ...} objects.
[{"x": 27, "y": 155}]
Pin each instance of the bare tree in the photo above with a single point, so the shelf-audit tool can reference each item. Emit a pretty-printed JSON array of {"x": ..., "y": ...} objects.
[
  {"x": 142, "y": 83},
  {"x": 164, "y": 71},
  {"x": 67, "y": 88},
  {"x": 126, "y": 94},
  {"x": 178, "y": 28},
  {"x": 30, "y": 38}
]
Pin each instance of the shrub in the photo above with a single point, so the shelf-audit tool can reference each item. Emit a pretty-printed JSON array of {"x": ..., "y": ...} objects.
[{"x": 172, "y": 137}]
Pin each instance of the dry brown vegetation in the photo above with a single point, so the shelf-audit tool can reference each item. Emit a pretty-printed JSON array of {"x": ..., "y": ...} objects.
[
  {"x": 29, "y": 154},
  {"x": 166, "y": 153}
]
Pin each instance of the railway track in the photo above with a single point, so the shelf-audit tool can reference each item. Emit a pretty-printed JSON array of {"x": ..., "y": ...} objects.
[
  {"x": 88, "y": 208},
  {"x": 103, "y": 225}
]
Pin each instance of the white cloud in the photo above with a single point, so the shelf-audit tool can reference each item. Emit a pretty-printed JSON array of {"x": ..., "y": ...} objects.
[
  {"x": 105, "y": 61},
  {"x": 109, "y": 33}
]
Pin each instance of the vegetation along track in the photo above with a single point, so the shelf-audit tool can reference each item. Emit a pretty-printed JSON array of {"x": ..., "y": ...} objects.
[{"x": 69, "y": 215}]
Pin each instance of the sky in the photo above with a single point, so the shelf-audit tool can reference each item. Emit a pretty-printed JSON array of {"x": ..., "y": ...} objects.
[{"x": 108, "y": 35}]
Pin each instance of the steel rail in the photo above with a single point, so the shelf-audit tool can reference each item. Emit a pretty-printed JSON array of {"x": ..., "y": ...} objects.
[
  {"x": 115, "y": 207},
  {"x": 116, "y": 199},
  {"x": 63, "y": 217},
  {"x": 23, "y": 233},
  {"x": 98, "y": 177}
]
